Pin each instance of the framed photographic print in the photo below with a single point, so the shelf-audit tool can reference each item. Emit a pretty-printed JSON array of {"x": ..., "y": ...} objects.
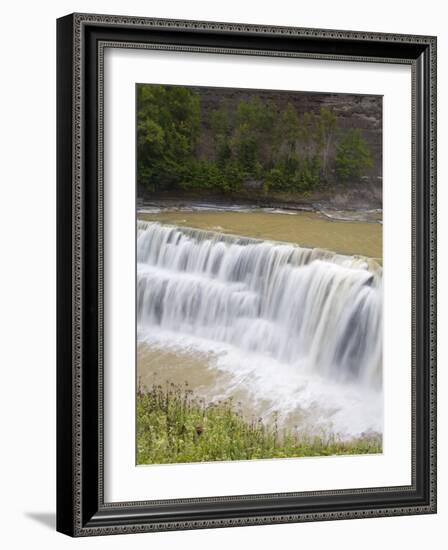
[{"x": 246, "y": 274}]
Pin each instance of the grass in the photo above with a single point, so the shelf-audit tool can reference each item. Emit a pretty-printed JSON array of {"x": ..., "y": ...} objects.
[{"x": 174, "y": 425}]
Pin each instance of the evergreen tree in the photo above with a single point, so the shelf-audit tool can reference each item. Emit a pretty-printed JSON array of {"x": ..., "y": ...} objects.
[
  {"x": 178, "y": 146},
  {"x": 168, "y": 119},
  {"x": 352, "y": 156}
]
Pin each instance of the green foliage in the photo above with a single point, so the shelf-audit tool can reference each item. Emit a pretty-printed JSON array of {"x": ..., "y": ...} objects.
[
  {"x": 255, "y": 115},
  {"x": 352, "y": 156},
  {"x": 254, "y": 121},
  {"x": 178, "y": 146},
  {"x": 220, "y": 124},
  {"x": 175, "y": 426},
  {"x": 290, "y": 128},
  {"x": 168, "y": 120},
  {"x": 206, "y": 175},
  {"x": 327, "y": 131},
  {"x": 294, "y": 174}
]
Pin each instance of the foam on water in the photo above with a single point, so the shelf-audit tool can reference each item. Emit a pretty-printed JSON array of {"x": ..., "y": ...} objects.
[{"x": 297, "y": 327}]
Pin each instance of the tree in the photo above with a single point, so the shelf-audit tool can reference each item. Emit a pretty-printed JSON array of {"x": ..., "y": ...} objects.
[
  {"x": 237, "y": 140},
  {"x": 168, "y": 119},
  {"x": 327, "y": 130},
  {"x": 252, "y": 133},
  {"x": 290, "y": 129},
  {"x": 353, "y": 156},
  {"x": 309, "y": 135},
  {"x": 221, "y": 127}
]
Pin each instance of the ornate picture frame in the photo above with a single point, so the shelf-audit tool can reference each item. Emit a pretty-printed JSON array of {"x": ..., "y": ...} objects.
[{"x": 81, "y": 506}]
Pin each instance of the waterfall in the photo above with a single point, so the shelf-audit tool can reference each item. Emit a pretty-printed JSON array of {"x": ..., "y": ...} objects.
[{"x": 299, "y": 306}]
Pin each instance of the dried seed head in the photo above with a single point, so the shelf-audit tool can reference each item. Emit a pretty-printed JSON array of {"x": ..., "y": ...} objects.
[{"x": 199, "y": 429}]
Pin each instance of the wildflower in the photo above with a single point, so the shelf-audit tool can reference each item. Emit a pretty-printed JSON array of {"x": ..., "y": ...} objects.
[{"x": 199, "y": 429}]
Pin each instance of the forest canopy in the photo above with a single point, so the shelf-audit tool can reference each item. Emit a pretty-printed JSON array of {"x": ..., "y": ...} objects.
[{"x": 251, "y": 142}]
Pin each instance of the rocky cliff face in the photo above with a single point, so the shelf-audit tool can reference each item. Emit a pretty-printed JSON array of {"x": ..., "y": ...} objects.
[
  {"x": 362, "y": 112},
  {"x": 353, "y": 111}
]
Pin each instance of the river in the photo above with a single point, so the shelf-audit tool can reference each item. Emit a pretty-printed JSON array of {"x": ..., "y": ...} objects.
[{"x": 282, "y": 311}]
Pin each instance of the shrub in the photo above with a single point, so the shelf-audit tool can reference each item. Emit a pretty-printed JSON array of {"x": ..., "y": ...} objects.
[{"x": 352, "y": 156}]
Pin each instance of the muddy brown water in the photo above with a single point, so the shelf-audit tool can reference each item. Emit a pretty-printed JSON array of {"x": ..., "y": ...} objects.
[
  {"x": 193, "y": 370},
  {"x": 307, "y": 229},
  {"x": 160, "y": 366}
]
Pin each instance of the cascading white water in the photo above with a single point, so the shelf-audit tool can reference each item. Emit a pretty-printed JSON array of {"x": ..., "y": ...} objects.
[{"x": 309, "y": 308}]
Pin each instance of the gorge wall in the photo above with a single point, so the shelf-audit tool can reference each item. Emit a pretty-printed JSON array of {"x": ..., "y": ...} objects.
[{"x": 353, "y": 111}]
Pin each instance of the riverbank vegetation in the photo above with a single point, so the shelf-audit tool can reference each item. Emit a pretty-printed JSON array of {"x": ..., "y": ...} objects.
[
  {"x": 175, "y": 426},
  {"x": 251, "y": 143}
]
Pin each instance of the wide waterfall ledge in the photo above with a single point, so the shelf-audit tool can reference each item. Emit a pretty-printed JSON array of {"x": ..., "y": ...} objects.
[
  {"x": 312, "y": 309},
  {"x": 356, "y": 261}
]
